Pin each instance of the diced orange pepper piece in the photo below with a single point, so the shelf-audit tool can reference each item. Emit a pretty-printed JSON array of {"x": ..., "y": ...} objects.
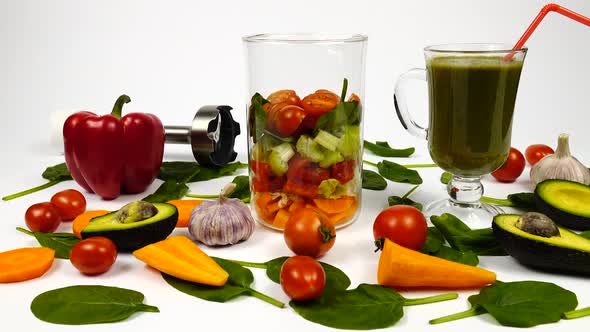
[{"x": 281, "y": 218}]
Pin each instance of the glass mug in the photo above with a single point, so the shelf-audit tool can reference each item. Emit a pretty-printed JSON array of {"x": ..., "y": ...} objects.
[
  {"x": 471, "y": 95},
  {"x": 304, "y": 144}
]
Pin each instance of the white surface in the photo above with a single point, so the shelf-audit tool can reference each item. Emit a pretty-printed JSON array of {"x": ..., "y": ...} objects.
[{"x": 172, "y": 56}]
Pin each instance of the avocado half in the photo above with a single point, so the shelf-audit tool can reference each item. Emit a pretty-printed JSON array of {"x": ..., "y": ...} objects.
[
  {"x": 565, "y": 202},
  {"x": 132, "y": 236},
  {"x": 568, "y": 252}
]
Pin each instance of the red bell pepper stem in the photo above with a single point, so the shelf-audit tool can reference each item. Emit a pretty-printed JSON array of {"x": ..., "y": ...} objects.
[{"x": 118, "y": 107}]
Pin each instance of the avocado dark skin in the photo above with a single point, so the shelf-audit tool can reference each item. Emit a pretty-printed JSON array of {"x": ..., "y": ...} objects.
[
  {"x": 541, "y": 255},
  {"x": 137, "y": 234}
]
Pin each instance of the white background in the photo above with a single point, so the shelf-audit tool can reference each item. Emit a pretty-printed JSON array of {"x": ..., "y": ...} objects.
[{"x": 172, "y": 56}]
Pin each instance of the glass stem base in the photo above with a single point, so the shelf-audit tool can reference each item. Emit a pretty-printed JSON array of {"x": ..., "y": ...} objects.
[{"x": 464, "y": 203}]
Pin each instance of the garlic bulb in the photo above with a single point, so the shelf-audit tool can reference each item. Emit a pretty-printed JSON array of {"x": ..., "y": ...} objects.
[
  {"x": 560, "y": 165},
  {"x": 221, "y": 221}
]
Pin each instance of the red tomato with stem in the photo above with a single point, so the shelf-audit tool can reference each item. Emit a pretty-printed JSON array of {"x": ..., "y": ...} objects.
[
  {"x": 512, "y": 167},
  {"x": 309, "y": 232},
  {"x": 70, "y": 203},
  {"x": 94, "y": 255},
  {"x": 536, "y": 152},
  {"x": 42, "y": 217},
  {"x": 302, "y": 278},
  {"x": 402, "y": 224}
]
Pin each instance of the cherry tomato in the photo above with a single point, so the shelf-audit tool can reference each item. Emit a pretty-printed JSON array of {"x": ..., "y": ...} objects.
[
  {"x": 302, "y": 278},
  {"x": 289, "y": 97},
  {"x": 284, "y": 121},
  {"x": 536, "y": 152},
  {"x": 402, "y": 224},
  {"x": 70, "y": 203},
  {"x": 309, "y": 232},
  {"x": 343, "y": 171},
  {"x": 512, "y": 168},
  {"x": 42, "y": 217},
  {"x": 94, "y": 255},
  {"x": 320, "y": 102}
]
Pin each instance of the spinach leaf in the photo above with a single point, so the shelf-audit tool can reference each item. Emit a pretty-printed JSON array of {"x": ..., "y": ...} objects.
[
  {"x": 366, "y": 307},
  {"x": 242, "y": 189},
  {"x": 404, "y": 200},
  {"x": 77, "y": 305},
  {"x": 167, "y": 191},
  {"x": 384, "y": 150},
  {"x": 336, "y": 280},
  {"x": 459, "y": 236},
  {"x": 188, "y": 171},
  {"x": 257, "y": 116},
  {"x": 585, "y": 234},
  {"x": 55, "y": 174},
  {"x": 62, "y": 243},
  {"x": 373, "y": 181},
  {"x": 238, "y": 284},
  {"x": 519, "y": 304},
  {"x": 345, "y": 113},
  {"x": 398, "y": 173},
  {"x": 435, "y": 246}
]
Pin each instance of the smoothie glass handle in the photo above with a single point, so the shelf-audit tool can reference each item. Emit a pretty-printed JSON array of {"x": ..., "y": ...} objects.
[{"x": 401, "y": 106}]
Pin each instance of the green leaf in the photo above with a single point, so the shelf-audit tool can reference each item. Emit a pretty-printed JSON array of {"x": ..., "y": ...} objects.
[
  {"x": 384, "y": 150},
  {"x": 585, "y": 234},
  {"x": 55, "y": 174},
  {"x": 336, "y": 280},
  {"x": 396, "y": 200},
  {"x": 435, "y": 246},
  {"x": 398, "y": 173},
  {"x": 242, "y": 189},
  {"x": 62, "y": 243},
  {"x": 167, "y": 191},
  {"x": 238, "y": 284},
  {"x": 373, "y": 181},
  {"x": 459, "y": 236},
  {"x": 257, "y": 116},
  {"x": 446, "y": 177},
  {"x": 345, "y": 113},
  {"x": 525, "y": 303},
  {"x": 523, "y": 200},
  {"x": 366, "y": 307},
  {"x": 77, "y": 305},
  {"x": 188, "y": 171},
  {"x": 58, "y": 172}
]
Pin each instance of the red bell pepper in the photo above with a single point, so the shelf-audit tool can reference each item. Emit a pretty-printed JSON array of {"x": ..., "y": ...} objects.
[{"x": 110, "y": 155}]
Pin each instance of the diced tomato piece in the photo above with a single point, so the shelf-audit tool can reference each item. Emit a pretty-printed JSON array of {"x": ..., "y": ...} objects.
[
  {"x": 343, "y": 171},
  {"x": 304, "y": 171},
  {"x": 264, "y": 180},
  {"x": 303, "y": 190}
]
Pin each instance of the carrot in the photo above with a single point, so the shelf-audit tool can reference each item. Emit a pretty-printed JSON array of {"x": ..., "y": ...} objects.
[
  {"x": 403, "y": 267},
  {"x": 263, "y": 199},
  {"x": 281, "y": 218},
  {"x": 83, "y": 220},
  {"x": 184, "y": 207},
  {"x": 297, "y": 205},
  {"x": 337, "y": 205},
  {"x": 25, "y": 263},
  {"x": 341, "y": 217}
]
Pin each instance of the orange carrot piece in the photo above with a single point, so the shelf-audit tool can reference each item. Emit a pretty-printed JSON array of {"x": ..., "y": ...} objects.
[
  {"x": 337, "y": 205},
  {"x": 184, "y": 207},
  {"x": 263, "y": 199},
  {"x": 273, "y": 207},
  {"x": 297, "y": 205},
  {"x": 403, "y": 267},
  {"x": 25, "y": 263},
  {"x": 82, "y": 220},
  {"x": 281, "y": 218}
]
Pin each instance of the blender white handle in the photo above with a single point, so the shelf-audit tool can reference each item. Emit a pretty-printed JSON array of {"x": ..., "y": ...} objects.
[{"x": 401, "y": 106}]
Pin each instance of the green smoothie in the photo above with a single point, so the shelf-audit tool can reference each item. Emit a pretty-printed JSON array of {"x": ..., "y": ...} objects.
[{"x": 471, "y": 105}]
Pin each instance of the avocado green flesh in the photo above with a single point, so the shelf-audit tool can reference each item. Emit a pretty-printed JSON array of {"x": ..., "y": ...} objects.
[
  {"x": 567, "y": 196},
  {"x": 107, "y": 221},
  {"x": 566, "y": 239}
]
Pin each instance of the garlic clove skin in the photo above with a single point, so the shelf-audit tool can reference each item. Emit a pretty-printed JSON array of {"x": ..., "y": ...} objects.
[{"x": 561, "y": 165}]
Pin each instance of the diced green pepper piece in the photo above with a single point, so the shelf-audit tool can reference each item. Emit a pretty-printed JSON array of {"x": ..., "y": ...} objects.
[
  {"x": 327, "y": 140},
  {"x": 279, "y": 158},
  {"x": 309, "y": 149}
]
